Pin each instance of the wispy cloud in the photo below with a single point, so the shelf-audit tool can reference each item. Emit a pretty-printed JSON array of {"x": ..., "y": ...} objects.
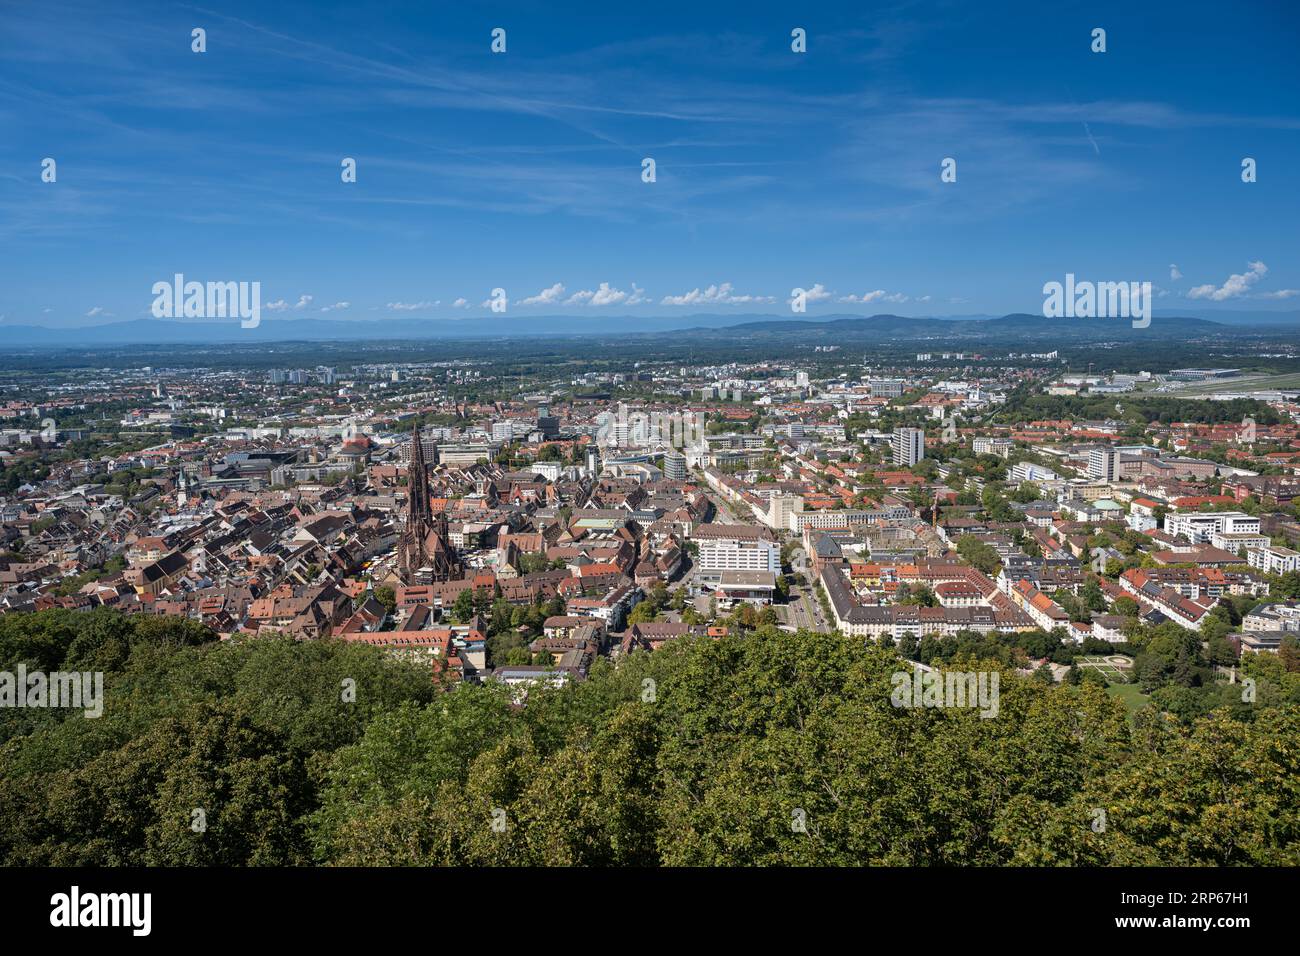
[
  {"x": 714, "y": 295},
  {"x": 607, "y": 294},
  {"x": 878, "y": 295},
  {"x": 280, "y": 305},
  {"x": 548, "y": 296}
]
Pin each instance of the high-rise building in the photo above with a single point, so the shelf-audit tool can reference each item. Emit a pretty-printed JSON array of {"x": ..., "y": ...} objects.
[
  {"x": 1104, "y": 464},
  {"x": 428, "y": 446},
  {"x": 674, "y": 466},
  {"x": 909, "y": 446}
]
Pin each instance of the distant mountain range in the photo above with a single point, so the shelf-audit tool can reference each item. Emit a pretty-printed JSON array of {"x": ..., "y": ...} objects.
[{"x": 857, "y": 328}]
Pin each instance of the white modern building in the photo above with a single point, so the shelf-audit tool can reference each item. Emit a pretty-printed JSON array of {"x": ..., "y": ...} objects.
[
  {"x": 909, "y": 446},
  {"x": 674, "y": 466},
  {"x": 1028, "y": 471},
  {"x": 735, "y": 548},
  {"x": 1274, "y": 560},
  {"x": 1104, "y": 464},
  {"x": 1199, "y": 527}
]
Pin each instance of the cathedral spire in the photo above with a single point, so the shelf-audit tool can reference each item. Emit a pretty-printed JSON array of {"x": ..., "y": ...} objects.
[
  {"x": 417, "y": 481},
  {"x": 425, "y": 551}
]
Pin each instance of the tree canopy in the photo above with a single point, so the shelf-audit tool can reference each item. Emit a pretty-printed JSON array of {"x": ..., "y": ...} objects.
[{"x": 761, "y": 748}]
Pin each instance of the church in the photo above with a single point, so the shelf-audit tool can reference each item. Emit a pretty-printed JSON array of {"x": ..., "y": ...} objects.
[{"x": 425, "y": 555}]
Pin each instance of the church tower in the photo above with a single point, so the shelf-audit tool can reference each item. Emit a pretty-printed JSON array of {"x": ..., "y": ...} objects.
[{"x": 425, "y": 554}]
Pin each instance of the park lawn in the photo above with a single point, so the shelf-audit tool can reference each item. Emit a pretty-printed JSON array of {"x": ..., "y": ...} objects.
[{"x": 1130, "y": 694}]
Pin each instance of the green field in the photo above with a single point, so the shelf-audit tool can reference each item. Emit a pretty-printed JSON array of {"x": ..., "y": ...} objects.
[
  {"x": 1130, "y": 694},
  {"x": 1245, "y": 383}
]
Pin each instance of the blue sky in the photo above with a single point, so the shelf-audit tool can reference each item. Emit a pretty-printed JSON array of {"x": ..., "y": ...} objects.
[{"x": 523, "y": 170}]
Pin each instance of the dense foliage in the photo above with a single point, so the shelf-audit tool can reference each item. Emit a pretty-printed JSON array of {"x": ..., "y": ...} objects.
[
  {"x": 704, "y": 752},
  {"x": 1135, "y": 408}
]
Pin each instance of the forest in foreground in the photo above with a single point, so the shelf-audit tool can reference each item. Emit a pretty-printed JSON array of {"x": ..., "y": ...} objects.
[{"x": 766, "y": 748}]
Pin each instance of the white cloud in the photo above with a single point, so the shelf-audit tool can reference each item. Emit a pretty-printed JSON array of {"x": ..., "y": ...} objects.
[
  {"x": 607, "y": 294},
  {"x": 546, "y": 297},
  {"x": 1236, "y": 286},
  {"x": 1174, "y": 273},
  {"x": 1280, "y": 294},
  {"x": 817, "y": 293},
  {"x": 714, "y": 295},
  {"x": 336, "y": 306},
  {"x": 879, "y": 295},
  {"x": 97, "y": 310},
  {"x": 410, "y": 306},
  {"x": 279, "y": 305},
  {"x": 461, "y": 303}
]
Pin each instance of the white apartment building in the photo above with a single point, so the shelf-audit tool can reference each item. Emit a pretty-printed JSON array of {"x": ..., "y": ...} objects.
[
  {"x": 550, "y": 470},
  {"x": 993, "y": 446},
  {"x": 1234, "y": 541},
  {"x": 1274, "y": 560},
  {"x": 782, "y": 513},
  {"x": 1199, "y": 527},
  {"x": 1104, "y": 464},
  {"x": 1028, "y": 471},
  {"x": 830, "y": 520},
  {"x": 1282, "y": 616},
  {"x": 909, "y": 446}
]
